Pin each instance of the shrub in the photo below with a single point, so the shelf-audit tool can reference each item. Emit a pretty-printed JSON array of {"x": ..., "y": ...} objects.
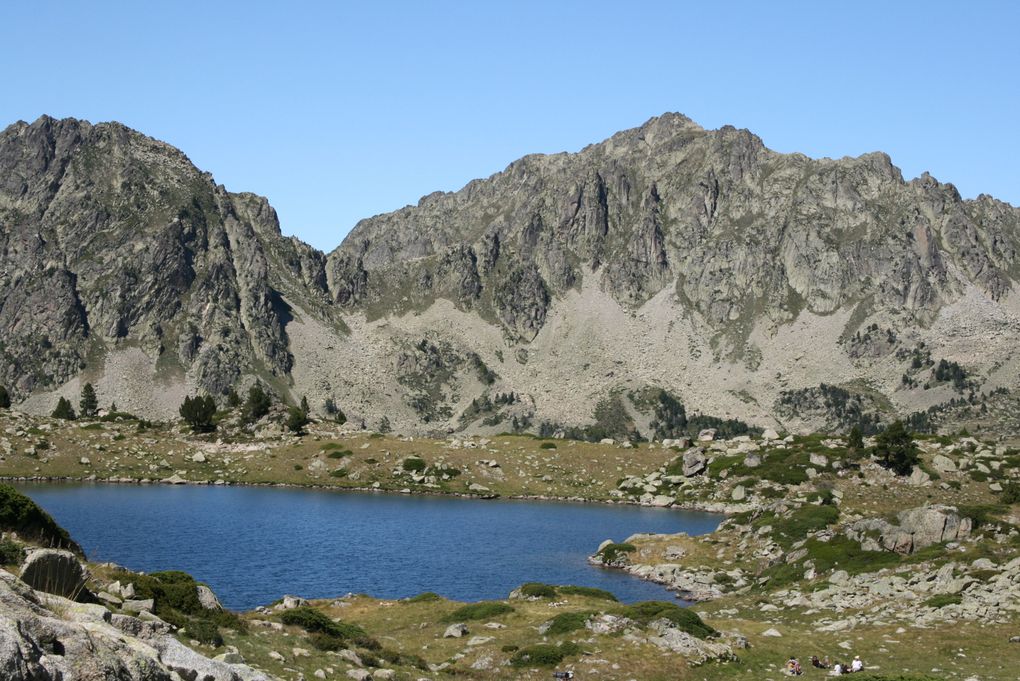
[
  {"x": 427, "y": 597},
  {"x": 684, "y": 619},
  {"x": 547, "y": 445},
  {"x": 198, "y": 412},
  {"x": 10, "y": 553},
  {"x": 538, "y": 590},
  {"x": 317, "y": 622},
  {"x": 942, "y": 600},
  {"x": 478, "y": 611},
  {"x": 1010, "y": 493},
  {"x": 5, "y": 398},
  {"x": 588, "y": 592},
  {"x": 20, "y": 514},
  {"x": 338, "y": 473},
  {"x": 980, "y": 514},
  {"x": 204, "y": 631},
  {"x": 566, "y": 622},
  {"x": 612, "y": 552},
  {"x": 414, "y": 464},
  {"x": 340, "y": 453},
  {"x": 544, "y": 655}
]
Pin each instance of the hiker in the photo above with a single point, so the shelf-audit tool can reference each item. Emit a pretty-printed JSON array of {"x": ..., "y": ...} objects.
[
  {"x": 857, "y": 665},
  {"x": 819, "y": 664},
  {"x": 793, "y": 667},
  {"x": 838, "y": 669}
]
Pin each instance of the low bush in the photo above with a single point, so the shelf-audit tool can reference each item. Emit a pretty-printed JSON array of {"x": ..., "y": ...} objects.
[
  {"x": 566, "y": 622},
  {"x": 612, "y": 552},
  {"x": 544, "y": 655},
  {"x": 427, "y": 597},
  {"x": 942, "y": 600},
  {"x": 587, "y": 592},
  {"x": 20, "y": 514},
  {"x": 684, "y": 619},
  {"x": 547, "y": 445},
  {"x": 414, "y": 464},
  {"x": 1010, "y": 493},
  {"x": 478, "y": 611},
  {"x": 980, "y": 514},
  {"x": 204, "y": 631},
  {"x": 340, "y": 453},
  {"x": 538, "y": 590},
  {"x": 338, "y": 473},
  {"x": 10, "y": 553}
]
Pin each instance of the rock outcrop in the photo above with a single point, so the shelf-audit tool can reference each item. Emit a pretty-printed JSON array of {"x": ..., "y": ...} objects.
[
  {"x": 45, "y": 638},
  {"x": 917, "y": 528}
]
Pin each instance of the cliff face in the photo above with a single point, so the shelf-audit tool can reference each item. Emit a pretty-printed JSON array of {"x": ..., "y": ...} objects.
[
  {"x": 739, "y": 232},
  {"x": 112, "y": 239},
  {"x": 668, "y": 256}
]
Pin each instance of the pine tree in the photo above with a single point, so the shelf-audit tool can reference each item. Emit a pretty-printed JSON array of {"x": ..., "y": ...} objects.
[
  {"x": 896, "y": 449},
  {"x": 257, "y": 404},
  {"x": 304, "y": 405},
  {"x": 63, "y": 410},
  {"x": 855, "y": 439},
  {"x": 297, "y": 419},
  {"x": 5, "y": 398},
  {"x": 89, "y": 403},
  {"x": 198, "y": 412},
  {"x": 233, "y": 399}
]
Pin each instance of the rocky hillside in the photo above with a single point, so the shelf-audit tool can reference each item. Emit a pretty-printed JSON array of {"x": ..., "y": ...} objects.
[{"x": 668, "y": 265}]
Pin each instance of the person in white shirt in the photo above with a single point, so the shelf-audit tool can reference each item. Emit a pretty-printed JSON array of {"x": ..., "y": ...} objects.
[{"x": 857, "y": 665}]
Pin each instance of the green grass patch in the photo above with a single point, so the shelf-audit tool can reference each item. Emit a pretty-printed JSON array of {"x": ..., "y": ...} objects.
[
  {"x": 566, "y": 622},
  {"x": 544, "y": 655},
  {"x": 942, "y": 600},
  {"x": 339, "y": 454},
  {"x": 478, "y": 611}
]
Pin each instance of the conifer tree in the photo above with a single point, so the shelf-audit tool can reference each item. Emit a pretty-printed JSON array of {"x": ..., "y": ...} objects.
[
  {"x": 89, "y": 403},
  {"x": 63, "y": 410}
]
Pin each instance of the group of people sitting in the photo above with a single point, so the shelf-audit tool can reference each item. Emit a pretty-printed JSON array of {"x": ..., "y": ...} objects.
[{"x": 793, "y": 666}]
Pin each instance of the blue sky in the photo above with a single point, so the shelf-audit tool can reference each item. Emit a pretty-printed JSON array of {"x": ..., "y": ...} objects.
[{"x": 338, "y": 111}]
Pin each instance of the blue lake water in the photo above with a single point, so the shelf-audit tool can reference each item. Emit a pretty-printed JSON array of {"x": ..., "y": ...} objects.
[{"x": 252, "y": 545}]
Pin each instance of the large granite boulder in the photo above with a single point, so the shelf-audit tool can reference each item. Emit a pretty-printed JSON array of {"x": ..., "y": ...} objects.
[
  {"x": 916, "y": 529},
  {"x": 57, "y": 572}
]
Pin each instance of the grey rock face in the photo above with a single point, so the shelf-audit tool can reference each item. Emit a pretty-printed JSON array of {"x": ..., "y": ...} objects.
[
  {"x": 87, "y": 642},
  {"x": 110, "y": 236},
  {"x": 917, "y": 528}
]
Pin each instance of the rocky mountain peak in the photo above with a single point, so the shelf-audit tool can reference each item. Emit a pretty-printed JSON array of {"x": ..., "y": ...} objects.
[{"x": 668, "y": 256}]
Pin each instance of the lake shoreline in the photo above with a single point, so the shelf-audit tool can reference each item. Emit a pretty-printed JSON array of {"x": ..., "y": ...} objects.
[{"x": 715, "y": 508}]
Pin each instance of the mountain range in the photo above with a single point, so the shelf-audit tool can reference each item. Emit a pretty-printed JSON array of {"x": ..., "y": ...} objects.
[{"x": 666, "y": 273}]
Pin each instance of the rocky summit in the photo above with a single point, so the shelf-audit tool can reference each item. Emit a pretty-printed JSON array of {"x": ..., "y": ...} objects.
[{"x": 667, "y": 274}]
